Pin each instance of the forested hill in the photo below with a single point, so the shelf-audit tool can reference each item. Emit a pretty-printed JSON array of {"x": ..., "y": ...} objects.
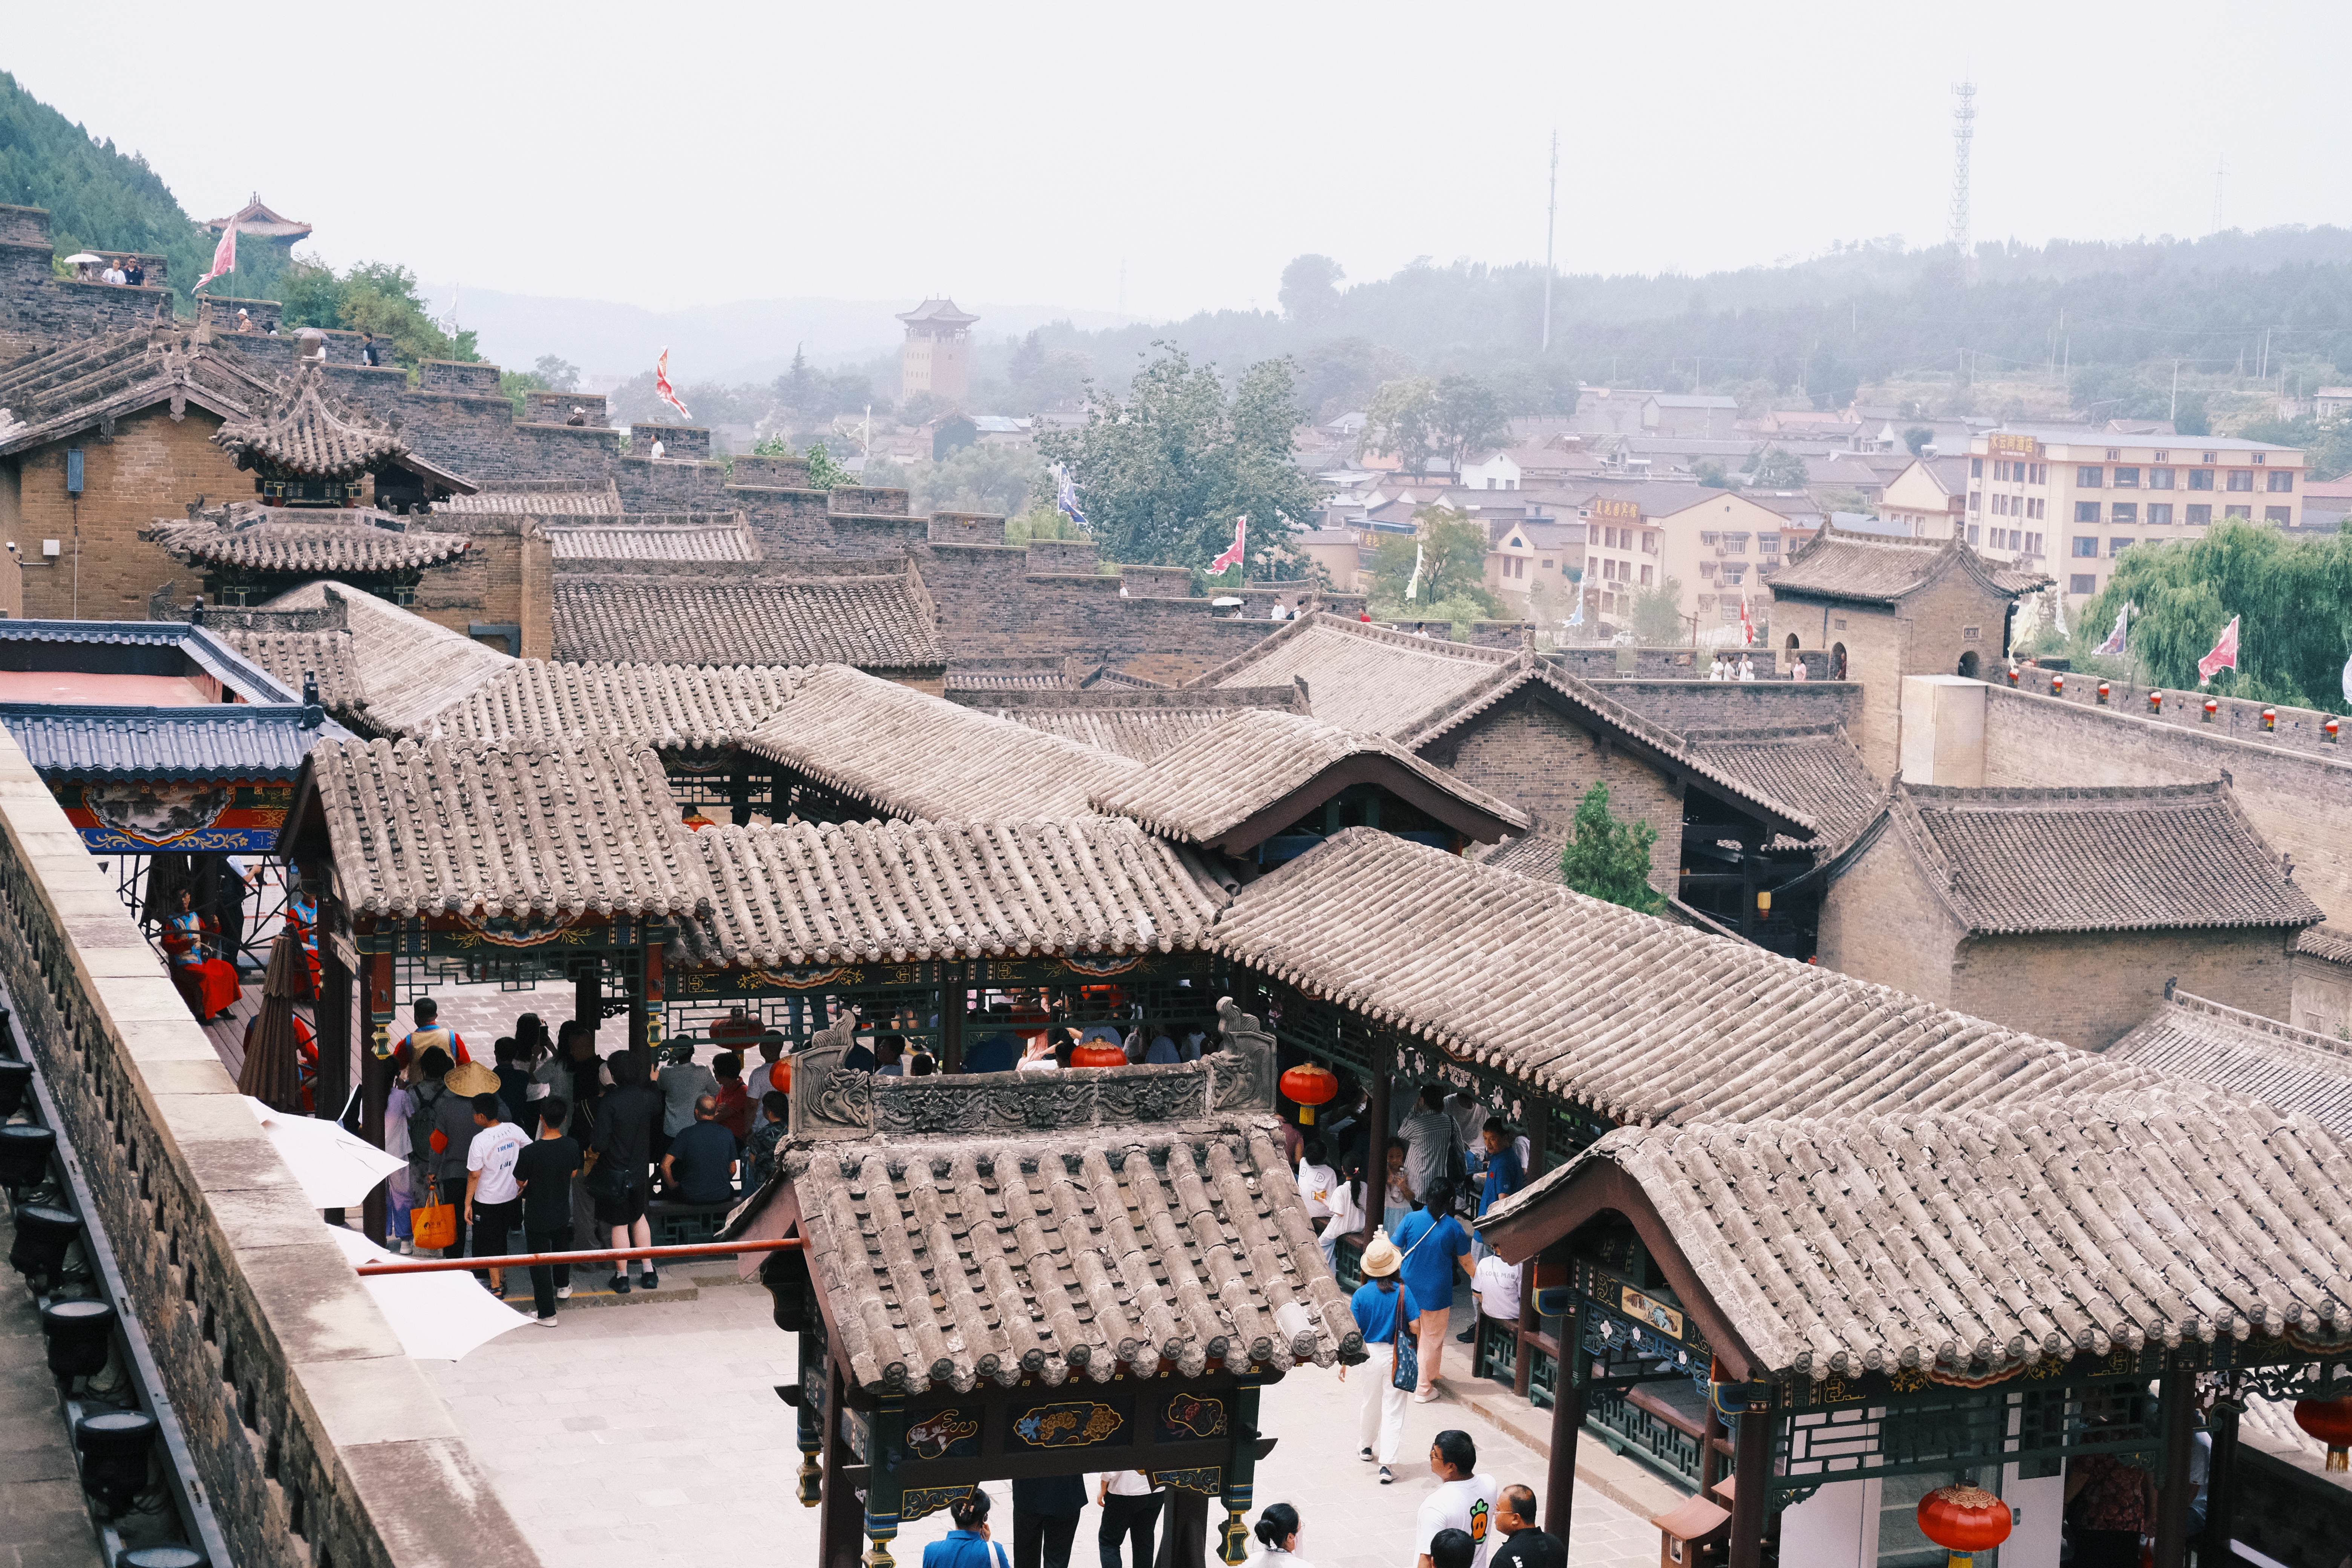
[
  {"x": 1859, "y": 314},
  {"x": 97, "y": 197}
]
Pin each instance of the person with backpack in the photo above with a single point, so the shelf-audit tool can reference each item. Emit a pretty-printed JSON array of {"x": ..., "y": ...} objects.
[
  {"x": 967, "y": 1545},
  {"x": 441, "y": 1131}
]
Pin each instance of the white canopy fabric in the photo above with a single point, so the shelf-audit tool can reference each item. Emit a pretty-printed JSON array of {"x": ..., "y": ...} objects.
[
  {"x": 337, "y": 1171},
  {"x": 438, "y": 1317}
]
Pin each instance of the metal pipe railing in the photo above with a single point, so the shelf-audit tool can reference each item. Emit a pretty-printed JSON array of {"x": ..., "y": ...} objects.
[{"x": 610, "y": 1255}]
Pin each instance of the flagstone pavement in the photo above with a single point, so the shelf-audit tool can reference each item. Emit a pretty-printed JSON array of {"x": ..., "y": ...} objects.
[{"x": 650, "y": 1433}]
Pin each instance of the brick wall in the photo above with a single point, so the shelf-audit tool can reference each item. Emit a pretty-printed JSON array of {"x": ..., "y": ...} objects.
[
  {"x": 689, "y": 442},
  {"x": 456, "y": 375},
  {"x": 1063, "y": 556},
  {"x": 504, "y": 578},
  {"x": 669, "y": 485},
  {"x": 2323, "y": 995},
  {"x": 781, "y": 473},
  {"x": 1739, "y": 704},
  {"x": 581, "y": 454},
  {"x": 1528, "y": 753},
  {"x": 12, "y": 575},
  {"x": 2298, "y": 796},
  {"x": 39, "y": 311},
  {"x": 462, "y": 432},
  {"x": 259, "y": 312},
  {"x": 1882, "y": 922},
  {"x": 992, "y": 606},
  {"x": 153, "y": 468},
  {"x": 555, "y": 407},
  {"x": 1925, "y": 634},
  {"x": 880, "y": 500},
  {"x": 2092, "y": 990},
  {"x": 1156, "y": 582}
]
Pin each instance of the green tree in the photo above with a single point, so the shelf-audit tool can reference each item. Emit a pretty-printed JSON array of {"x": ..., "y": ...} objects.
[
  {"x": 1608, "y": 859},
  {"x": 2293, "y": 598},
  {"x": 1917, "y": 437},
  {"x": 2189, "y": 417},
  {"x": 1310, "y": 288},
  {"x": 1709, "y": 472},
  {"x": 1778, "y": 469},
  {"x": 1658, "y": 614},
  {"x": 1342, "y": 373},
  {"x": 513, "y": 383},
  {"x": 1466, "y": 416},
  {"x": 1165, "y": 467},
  {"x": 824, "y": 472},
  {"x": 1005, "y": 479},
  {"x": 377, "y": 297},
  {"x": 1451, "y": 550},
  {"x": 1401, "y": 419},
  {"x": 556, "y": 373}
]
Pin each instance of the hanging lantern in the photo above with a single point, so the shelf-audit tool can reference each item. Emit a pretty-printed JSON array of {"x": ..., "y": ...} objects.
[
  {"x": 2012, "y": 675},
  {"x": 2332, "y": 727},
  {"x": 1098, "y": 1054},
  {"x": 1309, "y": 1085},
  {"x": 2103, "y": 694},
  {"x": 2330, "y": 1421},
  {"x": 2213, "y": 706},
  {"x": 779, "y": 1077},
  {"x": 2156, "y": 702},
  {"x": 1963, "y": 1520},
  {"x": 2058, "y": 686}
]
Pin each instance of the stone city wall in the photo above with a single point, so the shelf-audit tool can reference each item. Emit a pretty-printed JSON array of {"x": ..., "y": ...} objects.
[
  {"x": 1687, "y": 704},
  {"x": 2091, "y": 988},
  {"x": 317, "y": 1440}
]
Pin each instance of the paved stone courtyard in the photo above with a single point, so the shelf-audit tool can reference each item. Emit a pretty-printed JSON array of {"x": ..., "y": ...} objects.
[{"x": 652, "y": 1431}]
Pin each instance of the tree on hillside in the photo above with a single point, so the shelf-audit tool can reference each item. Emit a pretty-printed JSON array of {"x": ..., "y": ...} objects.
[
  {"x": 1917, "y": 437},
  {"x": 1778, "y": 469},
  {"x": 1466, "y": 416},
  {"x": 1401, "y": 420},
  {"x": 1046, "y": 377},
  {"x": 1166, "y": 467},
  {"x": 2294, "y": 598},
  {"x": 1658, "y": 618},
  {"x": 1609, "y": 859},
  {"x": 377, "y": 297},
  {"x": 556, "y": 373},
  {"x": 1709, "y": 471},
  {"x": 1310, "y": 288},
  {"x": 1342, "y": 374},
  {"x": 1005, "y": 479},
  {"x": 1451, "y": 552}
]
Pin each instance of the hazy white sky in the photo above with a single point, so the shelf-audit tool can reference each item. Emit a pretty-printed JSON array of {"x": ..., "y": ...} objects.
[{"x": 678, "y": 154}]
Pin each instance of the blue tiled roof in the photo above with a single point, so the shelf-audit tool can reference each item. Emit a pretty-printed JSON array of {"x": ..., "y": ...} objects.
[{"x": 220, "y": 741}]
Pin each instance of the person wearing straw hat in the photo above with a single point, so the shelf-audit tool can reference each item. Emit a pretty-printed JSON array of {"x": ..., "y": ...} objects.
[{"x": 1387, "y": 1315}]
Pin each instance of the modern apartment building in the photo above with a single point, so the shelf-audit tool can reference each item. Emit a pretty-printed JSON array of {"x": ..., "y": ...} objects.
[
  {"x": 1716, "y": 544},
  {"x": 2094, "y": 494}
]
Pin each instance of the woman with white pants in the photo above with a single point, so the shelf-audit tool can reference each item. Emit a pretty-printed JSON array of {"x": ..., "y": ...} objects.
[{"x": 1385, "y": 1314}]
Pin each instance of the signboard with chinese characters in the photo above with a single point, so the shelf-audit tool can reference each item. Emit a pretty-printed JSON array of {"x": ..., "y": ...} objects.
[
  {"x": 1616, "y": 511},
  {"x": 2005, "y": 444}
]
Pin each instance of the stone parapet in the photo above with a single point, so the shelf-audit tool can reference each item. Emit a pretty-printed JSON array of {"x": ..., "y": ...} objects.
[{"x": 315, "y": 1436}]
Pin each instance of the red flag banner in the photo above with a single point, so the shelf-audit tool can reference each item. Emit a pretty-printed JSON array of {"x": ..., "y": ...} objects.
[
  {"x": 224, "y": 256},
  {"x": 2223, "y": 656},
  {"x": 1233, "y": 555},
  {"x": 662, "y": 388}
]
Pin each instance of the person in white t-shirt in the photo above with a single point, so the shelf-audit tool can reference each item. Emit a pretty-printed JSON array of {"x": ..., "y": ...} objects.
[
  {"x": 1497, "y": 1287},
  {"x": 493, "y": 1198},
  {"x": 1130, "y": 1507},
  {"x": 1464, "y": 1500},
  {"x": 1319, "y": 1183}
]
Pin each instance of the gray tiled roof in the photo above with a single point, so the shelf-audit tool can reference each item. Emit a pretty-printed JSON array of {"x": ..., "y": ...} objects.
[
  {"x": 911, "y": 755},
  {"x": 63, "y": 391},
  {"x": 1530, "y": 854},
  {"x": 302, "y": 431},
  {"x": 2331, "y": 944},
  {"x": 346, "y": 542},
  {"x": 671, "y": 706},
  {"x": 1874, "y": 569},
  {"x": 526, "y": 831},
  {"x": 1640, "y": 1019},
  {"x": 221, "y": 740},
  {"x": 2161, "y": 857},
  {"x": 533, "y": 502},
  {"x": 2262, "y": 1058},
  {"x": 1363, "y": 676},
  {"x": 291, "y": 656},
  {"x": 1988, "y": 1242},
  {"x": 1067, "y": 1255},
  {"x": 729, "y": 539},
  {"x": 406, "y": 669},
  {"x": 874, "y": 622},
  {"x": 1142, "y": 733},
  {"x": 899, "y": 892},
  {"x": 1256, "y": 758},
  {"x": 1812, "y": 767}
]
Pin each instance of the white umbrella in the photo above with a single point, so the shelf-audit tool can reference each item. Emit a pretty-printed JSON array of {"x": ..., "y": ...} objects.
[
  {"x": 79, "y": 257},
  {"x": 438, "y": 1317},
  {"x": 337, "y": 1171}
]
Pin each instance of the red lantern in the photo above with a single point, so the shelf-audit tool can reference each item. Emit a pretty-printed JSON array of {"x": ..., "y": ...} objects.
[
  {"x": 1309, "y": 1085},
  {"x": 1098, "y": 1054},
  {"x": 2156, "y": 702},
  {"x": 2213, "y": 706},
  {"x": 2332, "y": 727},
  {"x": 1963, "y": 1520},
  {"x": 2012, "y": 675},
  {"x": 2330, "y": 1421},
  {"x": 2057, "y": 685},
  {"x": 2103, "y": 694},
  {"x": 779, "y": 1077}
]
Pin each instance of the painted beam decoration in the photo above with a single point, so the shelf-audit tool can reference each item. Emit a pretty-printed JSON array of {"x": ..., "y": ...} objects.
[{"x": 140, "y": 817}]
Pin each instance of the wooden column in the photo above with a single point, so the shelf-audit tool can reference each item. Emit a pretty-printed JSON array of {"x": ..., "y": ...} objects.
[
  {"x": 1751, "y": 1481},
  {"x": 884, "y": 1490},
  {"x": 1567, "y": 1416},
  {"x": 375, "y": 1080},
  {"x": 952, "y": 985},
  {"x": 1240, "y": 1479},
  {"x": 2176, "y": 1405},
  {"x": 1376, "y": 1145},
  {"x": 838, "y": 1532},
  {"x": 738, "y": 793},
  {"x": 2220, "y": 1484},
  {"x": 1530, "y": 1323},
  {"x": 333, "y": 1016},
  {"x": 588, "y": 992},
  {"x": 1710, "y": 1461}
]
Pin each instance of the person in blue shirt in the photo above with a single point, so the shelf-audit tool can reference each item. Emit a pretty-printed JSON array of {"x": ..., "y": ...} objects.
[
  {"x": 1504, "y": 1177},
  {"x": 1432, "y": 1243},
  {"x": 1386, "y": 1314},
  {"x": 967, "y": 1545}
]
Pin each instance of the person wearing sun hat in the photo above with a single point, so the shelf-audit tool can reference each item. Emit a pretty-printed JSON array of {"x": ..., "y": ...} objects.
[{"x": 1385, "y": 1314}]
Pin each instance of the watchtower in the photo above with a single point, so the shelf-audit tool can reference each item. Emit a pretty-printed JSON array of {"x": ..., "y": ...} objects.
[{"x": 936, "y": 357}]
